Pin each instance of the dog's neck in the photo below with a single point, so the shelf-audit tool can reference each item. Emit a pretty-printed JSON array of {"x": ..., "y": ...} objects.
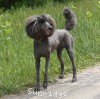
[{"x": 41, "y": 40}]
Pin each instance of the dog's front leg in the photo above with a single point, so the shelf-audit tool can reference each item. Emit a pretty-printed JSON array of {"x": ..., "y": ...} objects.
[
  {"x": 37, "y": 66},
  {"x": 45, "y": 83}
]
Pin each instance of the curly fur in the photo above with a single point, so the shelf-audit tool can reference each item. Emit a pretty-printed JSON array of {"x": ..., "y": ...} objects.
[
  {"x": 33, "y": 26},
  {"x": 46, "y": 39},
  {"x": 71, "y": 19},
  {"x": 33, "y": 29}
]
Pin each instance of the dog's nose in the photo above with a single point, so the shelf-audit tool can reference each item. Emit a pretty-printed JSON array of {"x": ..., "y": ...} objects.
[{"x": 50, "y": 28}]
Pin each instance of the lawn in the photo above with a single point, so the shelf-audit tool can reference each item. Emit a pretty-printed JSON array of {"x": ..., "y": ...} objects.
[{"x": 17, "y": 69}]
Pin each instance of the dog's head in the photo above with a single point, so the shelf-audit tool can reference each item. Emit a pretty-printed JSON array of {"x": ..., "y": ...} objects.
[{"x": 40, "y": 26}]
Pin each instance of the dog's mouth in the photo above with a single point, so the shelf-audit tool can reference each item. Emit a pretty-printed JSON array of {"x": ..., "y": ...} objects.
[{"x": 47, "y": 32}]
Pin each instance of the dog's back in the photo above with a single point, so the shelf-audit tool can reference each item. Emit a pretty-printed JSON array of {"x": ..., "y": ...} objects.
[{"x": 60, "y": 38}]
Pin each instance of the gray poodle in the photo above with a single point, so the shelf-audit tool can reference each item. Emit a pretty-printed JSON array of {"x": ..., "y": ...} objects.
[{"x": 46, "y": 39}]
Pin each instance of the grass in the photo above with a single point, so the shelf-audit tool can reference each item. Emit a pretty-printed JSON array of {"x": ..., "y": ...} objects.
[{"x": 17, "y": 68}]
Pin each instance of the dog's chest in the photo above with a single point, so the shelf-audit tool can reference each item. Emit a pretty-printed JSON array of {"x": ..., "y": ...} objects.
[{"x": 41, "y": 48}]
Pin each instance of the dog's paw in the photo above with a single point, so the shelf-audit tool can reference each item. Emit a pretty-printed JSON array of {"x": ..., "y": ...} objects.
[
  {"x": 45, "y": 85},
  {"x": 36, "y": 89},
  {"x": 61, "y": 76},
  {"x": 74, "y": 80}
]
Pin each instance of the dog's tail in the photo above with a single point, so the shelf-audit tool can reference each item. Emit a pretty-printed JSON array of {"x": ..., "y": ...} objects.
[{"x": 71, "y": 19}]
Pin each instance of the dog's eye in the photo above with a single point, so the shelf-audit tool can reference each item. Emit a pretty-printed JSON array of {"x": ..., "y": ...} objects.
[{"x": 41, "y": 20}]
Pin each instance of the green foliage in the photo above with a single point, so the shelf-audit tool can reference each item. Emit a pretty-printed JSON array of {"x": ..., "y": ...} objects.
[
  {"x": 16, "y": 49},
  {"x": 6, "y": 4}
]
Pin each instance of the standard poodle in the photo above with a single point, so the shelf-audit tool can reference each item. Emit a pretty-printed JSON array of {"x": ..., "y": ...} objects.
[{"x": 46, "y": 39}]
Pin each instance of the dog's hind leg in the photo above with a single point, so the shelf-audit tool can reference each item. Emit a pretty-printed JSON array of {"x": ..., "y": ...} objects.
[
  {"x": 45, "y": 83},
  {"x": 59, "y": 55},
  {"x": 37, "y": 66},
  {"x": 71, "y": 56}
]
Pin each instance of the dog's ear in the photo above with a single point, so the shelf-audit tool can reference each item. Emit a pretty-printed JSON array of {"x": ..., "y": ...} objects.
[{"x": 30, "y": 27}]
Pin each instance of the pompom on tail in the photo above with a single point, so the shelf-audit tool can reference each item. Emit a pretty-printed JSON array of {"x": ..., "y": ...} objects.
[{"x": 71, "y": 19}]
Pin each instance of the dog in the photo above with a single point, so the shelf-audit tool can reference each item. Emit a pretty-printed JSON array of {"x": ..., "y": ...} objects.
[{"x": 47, "y": 38}]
